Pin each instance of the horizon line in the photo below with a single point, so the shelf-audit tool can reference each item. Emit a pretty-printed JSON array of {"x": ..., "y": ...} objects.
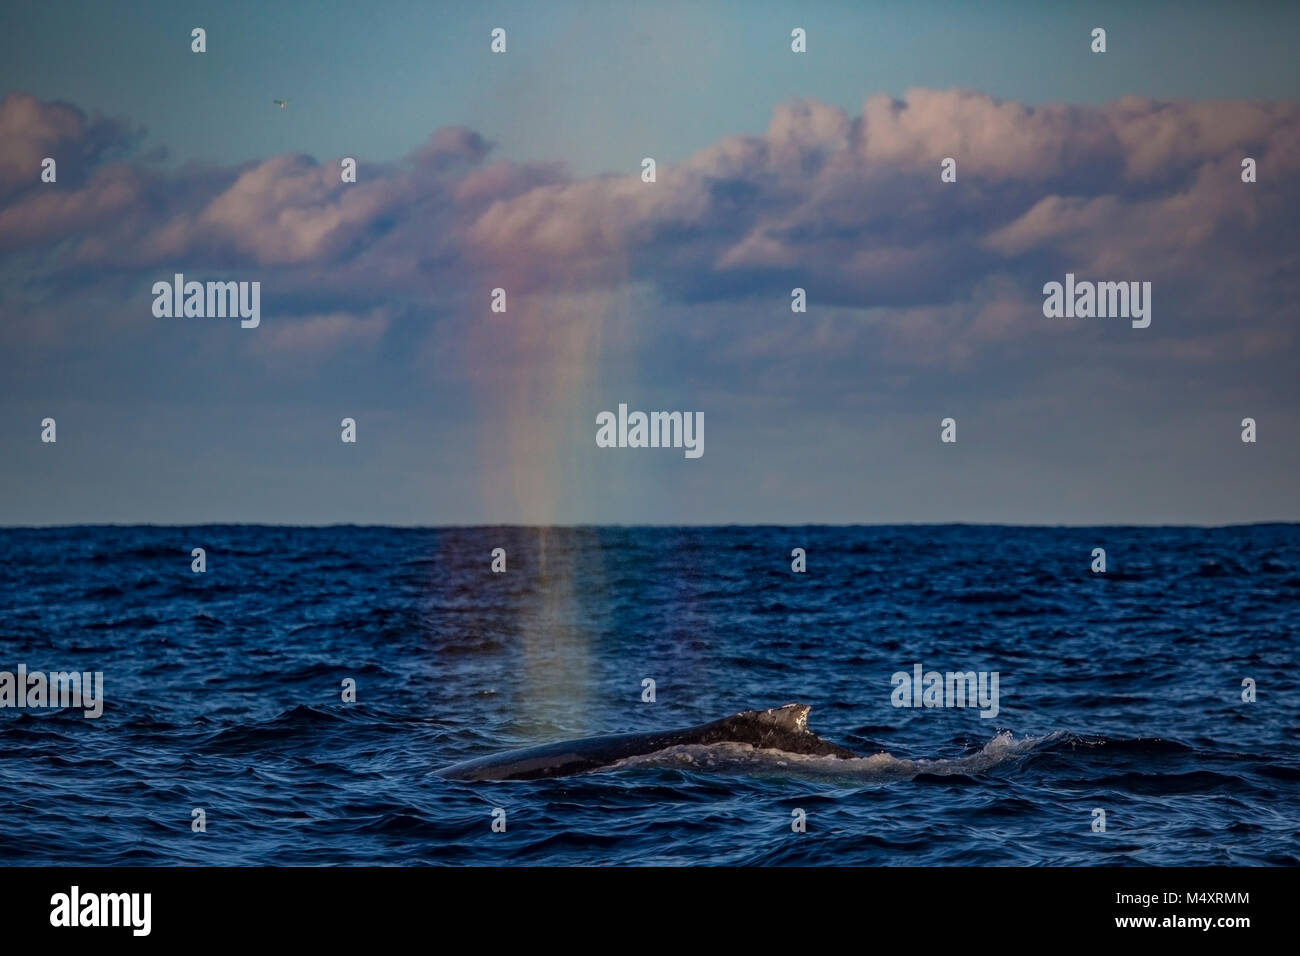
[{"x": 635, "y": 526}]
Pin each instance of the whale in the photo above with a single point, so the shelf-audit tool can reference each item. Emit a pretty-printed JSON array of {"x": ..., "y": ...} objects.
[{"x": 782, "y": 729}]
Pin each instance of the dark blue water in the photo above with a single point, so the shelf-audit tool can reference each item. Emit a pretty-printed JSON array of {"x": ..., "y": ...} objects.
[{"x": 1119, "y": 691}]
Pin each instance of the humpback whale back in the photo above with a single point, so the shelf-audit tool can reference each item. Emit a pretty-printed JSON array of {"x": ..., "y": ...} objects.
[{"x": 778, "y": 728}]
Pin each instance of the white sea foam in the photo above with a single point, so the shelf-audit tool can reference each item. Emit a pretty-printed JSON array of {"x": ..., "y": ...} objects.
[{"x": 883, "y": 767}]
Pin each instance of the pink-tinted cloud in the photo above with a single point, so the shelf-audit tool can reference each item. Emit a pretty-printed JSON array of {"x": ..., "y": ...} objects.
[
  {"x": 849, "y": 207},
  {"x": 31, "y": 130}
]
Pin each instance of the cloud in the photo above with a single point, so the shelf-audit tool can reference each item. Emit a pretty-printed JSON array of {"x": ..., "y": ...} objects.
[
  {"x": 852, "y": 208},
  {"x": 31, "y": 130},
  {"x": 849, "y": 207}
]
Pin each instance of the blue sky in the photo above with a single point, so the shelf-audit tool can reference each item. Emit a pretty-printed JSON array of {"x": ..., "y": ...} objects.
[
  {"x": 599, "y": 85},
  {"x": 776, "y": 170}
]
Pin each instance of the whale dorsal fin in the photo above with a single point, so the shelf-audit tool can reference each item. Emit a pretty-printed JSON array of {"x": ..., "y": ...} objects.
[
  {"x": 785, "y": 728},
  {"x": 792, "y": 718}
]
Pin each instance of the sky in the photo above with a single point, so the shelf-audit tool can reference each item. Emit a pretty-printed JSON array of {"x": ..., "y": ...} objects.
[{"x": 522, "y": 171}]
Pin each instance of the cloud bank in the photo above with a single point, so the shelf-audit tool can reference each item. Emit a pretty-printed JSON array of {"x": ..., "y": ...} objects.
[
  {"x": 850, "y": 207},
  {"x": 921, "y": 293}
]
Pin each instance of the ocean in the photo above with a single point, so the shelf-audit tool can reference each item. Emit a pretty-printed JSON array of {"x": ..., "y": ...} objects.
[{"x": 1118, "y": 692}]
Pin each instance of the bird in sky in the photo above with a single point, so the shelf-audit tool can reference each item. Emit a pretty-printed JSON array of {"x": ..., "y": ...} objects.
[{"x": 281, "y": 103}]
